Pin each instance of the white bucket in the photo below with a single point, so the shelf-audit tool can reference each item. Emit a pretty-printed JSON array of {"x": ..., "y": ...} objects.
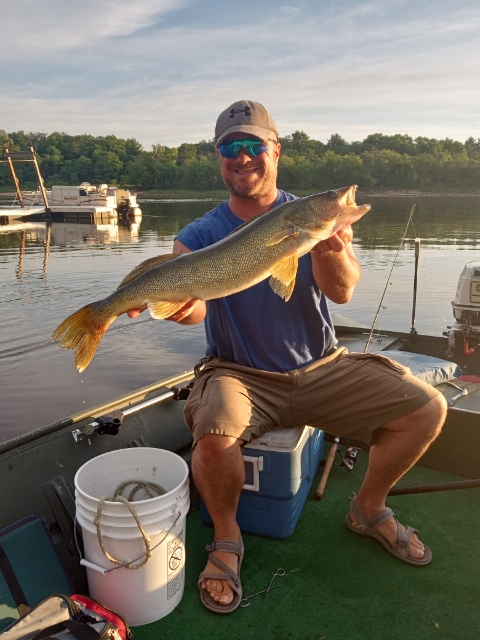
[{"x": 153, "y": 591}]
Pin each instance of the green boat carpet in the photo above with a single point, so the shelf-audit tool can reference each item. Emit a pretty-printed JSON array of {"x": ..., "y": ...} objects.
[{"x": 341, "y": 586}]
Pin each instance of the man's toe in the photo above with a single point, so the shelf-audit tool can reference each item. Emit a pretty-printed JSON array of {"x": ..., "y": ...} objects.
[{"x": 227, "y": 595}]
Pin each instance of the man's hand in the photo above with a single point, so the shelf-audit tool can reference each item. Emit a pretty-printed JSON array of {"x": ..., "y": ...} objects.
[
  {"x": 335, "y": 268},
  {"x": 179, "y": 316},
  {"x": 184, "y": 312},
  {"x": 134, "y": 313},
  {"x": 336, "y": 243}
]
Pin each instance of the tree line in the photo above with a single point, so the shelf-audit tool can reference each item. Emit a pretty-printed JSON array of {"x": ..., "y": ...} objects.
[{"x": 379, "y": 162}]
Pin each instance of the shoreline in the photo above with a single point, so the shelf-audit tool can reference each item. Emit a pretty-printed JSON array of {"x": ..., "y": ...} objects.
[
  {"x": 223, "y": 195},
  {"x": 184, "y": 194}
]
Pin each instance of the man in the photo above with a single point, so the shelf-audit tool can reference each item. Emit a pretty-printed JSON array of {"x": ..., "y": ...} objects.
[{"x": 274, "y": 363}]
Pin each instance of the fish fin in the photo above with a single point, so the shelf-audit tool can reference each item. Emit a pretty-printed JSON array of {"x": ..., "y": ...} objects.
[
  {"x": 244, "y": 224},
  {"x": 165, "y": 308},
  {"x": 81, "y": 332},
  {"x": 283, "y": 277},
  {"x": 291, "y": 230},
  {"x": 145, "y": 266},
  {"x": 282, "y": 289}
]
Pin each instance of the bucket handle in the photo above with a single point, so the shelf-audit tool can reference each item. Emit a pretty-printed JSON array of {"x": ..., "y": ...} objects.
[{"x": 126, "y": 565}]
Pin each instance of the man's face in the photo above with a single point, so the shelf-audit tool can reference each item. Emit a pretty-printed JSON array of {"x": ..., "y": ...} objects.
[{"x": 250, "y": 178}]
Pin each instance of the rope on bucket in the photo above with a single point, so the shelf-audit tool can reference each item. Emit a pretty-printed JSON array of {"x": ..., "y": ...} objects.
[{"x": 117, "y": 497}]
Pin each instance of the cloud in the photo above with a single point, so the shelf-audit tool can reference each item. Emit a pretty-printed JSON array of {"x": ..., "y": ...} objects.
[
  {"x": 352, "y": 67},
  {"x": 58, "y": 25},
  {"x": 291, "y": 12}
]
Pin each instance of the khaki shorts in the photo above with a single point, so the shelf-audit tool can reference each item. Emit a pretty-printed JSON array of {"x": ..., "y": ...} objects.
[{"x": 345, "y": 394}]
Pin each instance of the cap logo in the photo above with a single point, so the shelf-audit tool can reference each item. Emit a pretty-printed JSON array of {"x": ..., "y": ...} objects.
[{"x": 246, "y": 111}]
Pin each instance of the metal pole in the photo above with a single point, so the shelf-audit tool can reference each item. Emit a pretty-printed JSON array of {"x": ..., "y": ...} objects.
[
  {"x": 413, "y": 331},
  {"x": 40, "y": 180},
  {"x": 15, "y": 180}
]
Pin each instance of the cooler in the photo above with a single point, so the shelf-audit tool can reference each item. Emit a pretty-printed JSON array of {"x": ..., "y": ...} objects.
[{"x": 280, "y": 468}]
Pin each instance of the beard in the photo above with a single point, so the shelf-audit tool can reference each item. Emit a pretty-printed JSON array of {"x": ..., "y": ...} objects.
[{"x": 253, "y": 188}]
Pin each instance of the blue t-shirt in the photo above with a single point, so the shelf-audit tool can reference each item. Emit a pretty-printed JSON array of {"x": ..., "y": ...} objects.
[{"x": 256, "y": 327}]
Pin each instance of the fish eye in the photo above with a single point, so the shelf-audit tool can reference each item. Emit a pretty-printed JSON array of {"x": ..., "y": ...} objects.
[{"x": 333, "y": 195}]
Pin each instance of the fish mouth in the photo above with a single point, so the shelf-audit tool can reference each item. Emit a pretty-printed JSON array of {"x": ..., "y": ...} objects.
[
  {"x": 346, "y": 198},
  {"x": 346, "y": 195}
]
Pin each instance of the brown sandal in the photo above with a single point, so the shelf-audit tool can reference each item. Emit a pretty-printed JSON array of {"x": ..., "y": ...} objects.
[
  {"x": 367, "y": 527},
  {"x": 232, "y": 578}
]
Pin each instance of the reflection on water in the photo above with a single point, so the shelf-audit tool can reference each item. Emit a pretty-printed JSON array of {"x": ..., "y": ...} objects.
[
  {"x": 50, "y": 270},
  {"x": 450, "y": 236}
]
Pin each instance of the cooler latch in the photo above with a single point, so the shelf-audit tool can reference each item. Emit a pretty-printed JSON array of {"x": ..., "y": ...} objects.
[{"x": 257, "y": 463}]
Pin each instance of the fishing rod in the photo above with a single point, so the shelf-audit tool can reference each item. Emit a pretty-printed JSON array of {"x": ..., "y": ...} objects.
[{"x": 380, "y": 306}]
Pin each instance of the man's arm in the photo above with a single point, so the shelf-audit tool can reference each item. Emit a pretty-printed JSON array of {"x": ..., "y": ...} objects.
[
  {"x": 335, "y": 267},
  {"x": 193, "y": 312}
]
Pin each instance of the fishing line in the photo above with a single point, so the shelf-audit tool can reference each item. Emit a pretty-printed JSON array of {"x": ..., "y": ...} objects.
[{"x": 380, "y": 306}]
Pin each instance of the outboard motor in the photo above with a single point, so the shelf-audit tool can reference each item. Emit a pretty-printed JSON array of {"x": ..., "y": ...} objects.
[{"x": 466, "y": 311}]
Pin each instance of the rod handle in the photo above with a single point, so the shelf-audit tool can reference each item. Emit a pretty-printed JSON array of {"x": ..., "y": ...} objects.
[{"x": 326, "y": 470}]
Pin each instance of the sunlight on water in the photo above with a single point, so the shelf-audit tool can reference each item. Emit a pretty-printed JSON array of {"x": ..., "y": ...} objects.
[{"x": 49, "y": 272}]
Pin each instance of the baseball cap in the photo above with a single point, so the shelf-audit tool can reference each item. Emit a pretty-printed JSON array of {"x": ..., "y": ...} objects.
[{"x": 245, "y": 116}]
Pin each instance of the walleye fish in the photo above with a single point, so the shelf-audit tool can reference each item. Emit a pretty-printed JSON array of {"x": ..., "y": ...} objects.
[{"x": 268, "y": 245}]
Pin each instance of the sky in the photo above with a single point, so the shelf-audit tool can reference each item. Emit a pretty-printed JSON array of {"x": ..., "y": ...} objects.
[{"x": 161, "y": 71}]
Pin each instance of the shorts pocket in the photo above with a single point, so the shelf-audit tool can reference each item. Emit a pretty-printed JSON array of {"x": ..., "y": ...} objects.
[
  {"x": 199, "y": 395},
  {"x": 396, "y": 366}
]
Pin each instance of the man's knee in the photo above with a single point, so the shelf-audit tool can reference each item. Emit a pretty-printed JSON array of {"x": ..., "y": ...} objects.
[
  {"x": 428, "y": 419},
  {"x": 213, "y": 445}
]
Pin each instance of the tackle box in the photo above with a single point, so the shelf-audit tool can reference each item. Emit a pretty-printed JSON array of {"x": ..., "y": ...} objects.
[{"x": 280, "y": 468}]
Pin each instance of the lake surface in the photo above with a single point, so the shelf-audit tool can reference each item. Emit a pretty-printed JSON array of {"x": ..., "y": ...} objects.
[{"x": 49, "y": 272}]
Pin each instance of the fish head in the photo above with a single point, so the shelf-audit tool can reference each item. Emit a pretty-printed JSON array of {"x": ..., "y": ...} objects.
[{"x": 335, "y": 209}]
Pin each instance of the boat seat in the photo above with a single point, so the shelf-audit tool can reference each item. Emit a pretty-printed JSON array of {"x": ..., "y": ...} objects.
[{"x": 427, "y": 368}]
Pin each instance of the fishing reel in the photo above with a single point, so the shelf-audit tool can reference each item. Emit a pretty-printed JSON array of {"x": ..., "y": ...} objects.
[{"x": 349, "y": 459}]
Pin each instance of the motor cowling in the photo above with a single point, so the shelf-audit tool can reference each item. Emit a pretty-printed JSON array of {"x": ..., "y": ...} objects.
[
  {"x": 467, "y": 296},
  {"x": 466, "y": 310}
]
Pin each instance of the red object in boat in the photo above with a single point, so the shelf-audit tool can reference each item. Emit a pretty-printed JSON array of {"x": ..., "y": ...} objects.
[{"x": 466, "y": 377}]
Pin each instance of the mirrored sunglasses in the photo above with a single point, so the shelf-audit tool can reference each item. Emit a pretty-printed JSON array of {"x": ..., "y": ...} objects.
[{"x": 252, "y": 148}]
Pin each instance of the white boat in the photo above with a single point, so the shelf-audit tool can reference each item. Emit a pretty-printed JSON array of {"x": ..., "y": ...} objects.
[
  {"x": 85, "y": 198},
  {"x": 88, "y": 198}
]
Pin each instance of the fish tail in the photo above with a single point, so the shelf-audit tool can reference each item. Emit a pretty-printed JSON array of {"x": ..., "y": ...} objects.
[{"x": 82, "y": 331}]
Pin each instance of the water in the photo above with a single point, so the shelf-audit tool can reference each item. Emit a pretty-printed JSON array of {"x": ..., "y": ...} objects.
[{"x": 47, "y": 274}]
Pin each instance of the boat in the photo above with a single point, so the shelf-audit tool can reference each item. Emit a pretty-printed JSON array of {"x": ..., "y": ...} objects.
[
  {"x": 335, "y": 585},
  {"x": 87, "y": 198}
]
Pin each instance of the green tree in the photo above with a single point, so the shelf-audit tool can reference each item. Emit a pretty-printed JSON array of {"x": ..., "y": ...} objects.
[
  {"x": 334, "y": 170},
  {"x": 108, "y": 165},
  {"x": 389, "y": 169},
  {"x": 164, "y": 154},
  {"x": 202, "y": 174},
  {"x": 337, "y": 144},
  {"x": 6, "y": 142},
  {"x": 472, "y": 147},
  {"x": 399, "y": 143},
  {"x": 295, "y": 172},
  {"x": 186, "y": 153}
]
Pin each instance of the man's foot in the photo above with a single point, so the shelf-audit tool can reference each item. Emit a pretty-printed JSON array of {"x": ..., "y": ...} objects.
[
  {"x": 220, "y": 590},
  {"x": 388, "y": 529},
  {"x": 222, "y": 594},
  {"x": 400, "y": 541}
]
